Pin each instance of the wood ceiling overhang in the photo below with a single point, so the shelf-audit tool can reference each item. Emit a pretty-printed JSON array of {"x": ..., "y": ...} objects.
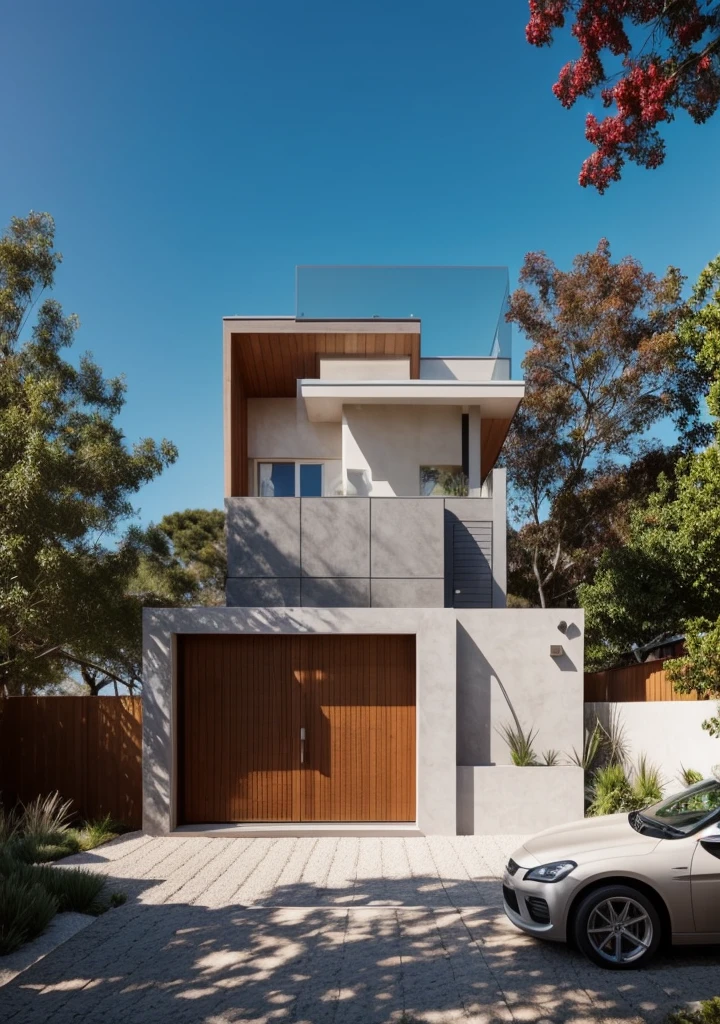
[{"x": 266, "y": 358}]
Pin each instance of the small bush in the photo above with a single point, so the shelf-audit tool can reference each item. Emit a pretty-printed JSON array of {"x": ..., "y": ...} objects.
[
  {"x": 611, "y": 790},
  {"x": 520, "y": 744},
  {"x": 95, "y": 833},
  {"x": 45, "y": 817},
  {"x": 647, "y": 785},
  {"x": 73, "y": 888},
  {"x": 26, "y": 909},
  {"x": 709, "y": 1013},
  {"x": 551, "y": 757},
  {"x": 688, "y": 776}
]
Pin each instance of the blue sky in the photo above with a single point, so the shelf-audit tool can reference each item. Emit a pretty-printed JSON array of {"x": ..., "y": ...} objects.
[{"x": 192, "y": 154}]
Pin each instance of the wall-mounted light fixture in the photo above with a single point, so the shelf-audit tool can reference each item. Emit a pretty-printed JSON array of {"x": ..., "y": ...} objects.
[
  {"x": 556, "y": 650},
  {"x": 563, "y": 626}
]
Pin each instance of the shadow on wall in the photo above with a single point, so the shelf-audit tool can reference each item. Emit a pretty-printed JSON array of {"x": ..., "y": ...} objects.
[
  {"x": 474, "y": 698},
  {"x": 379, "y": 949}
]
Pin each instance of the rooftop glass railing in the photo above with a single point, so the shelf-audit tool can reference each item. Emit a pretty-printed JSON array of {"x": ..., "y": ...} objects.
[{"x": 462, "y": 309}]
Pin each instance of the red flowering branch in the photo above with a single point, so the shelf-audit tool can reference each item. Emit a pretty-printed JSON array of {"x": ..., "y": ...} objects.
[{"x": 677, "y": 69}]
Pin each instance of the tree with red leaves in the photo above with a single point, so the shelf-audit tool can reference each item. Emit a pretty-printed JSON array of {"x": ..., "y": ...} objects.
[{"x": 676, "y": 66}]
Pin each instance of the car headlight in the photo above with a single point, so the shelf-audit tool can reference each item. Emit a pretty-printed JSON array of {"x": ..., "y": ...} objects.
[{"x": 551, "y": 872}]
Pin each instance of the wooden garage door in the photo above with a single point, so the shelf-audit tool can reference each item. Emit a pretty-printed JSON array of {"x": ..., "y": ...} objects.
[{"x": 309, "y": 728}]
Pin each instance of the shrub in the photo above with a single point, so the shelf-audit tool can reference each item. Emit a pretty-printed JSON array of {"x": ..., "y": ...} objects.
[
  {"x": 611, "y": 791},
  {"x": 73, "y": 888},
  {"x": 520, "y": 744},
  {"x": 688, "y": 776},
  {"x": 95, "y": 833},
  {"x": 709, "y": 1013},
  {"x": 551, "y": 757},
  {"x": 593, "y": 743},
  {"x": 46, "y": 817},
  {"x": 26, "y": 909}
]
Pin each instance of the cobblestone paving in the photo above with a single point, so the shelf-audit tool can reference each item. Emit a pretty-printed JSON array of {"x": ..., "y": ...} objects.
[{"x": 309, "y": 931}]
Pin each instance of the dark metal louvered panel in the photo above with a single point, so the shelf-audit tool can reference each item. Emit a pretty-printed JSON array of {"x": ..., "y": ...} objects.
[{"x": 472, "y": 565}]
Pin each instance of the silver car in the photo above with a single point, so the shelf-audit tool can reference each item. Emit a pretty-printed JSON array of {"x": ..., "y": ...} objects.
[{"x": 617, "y": 886}]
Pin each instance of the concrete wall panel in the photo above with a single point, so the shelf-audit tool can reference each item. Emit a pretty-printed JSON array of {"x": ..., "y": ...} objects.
[
  {"x": 407, "y": 593},
  {"x": 241, "y": 592},
  {"x": 335, "y": 593},
  {"x": 407, "y": 539},
  {"x": 505, "y": 800},
  {"x": 263, "y": 536},
  {"x": 335, "y": 537}
]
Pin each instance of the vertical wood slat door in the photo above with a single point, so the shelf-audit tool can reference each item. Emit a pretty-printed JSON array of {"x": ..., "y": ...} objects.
[
  {"x": 243, "y": 701},
  {"x": 239, "y": 729},
  {"x": 358, "y": 696}
]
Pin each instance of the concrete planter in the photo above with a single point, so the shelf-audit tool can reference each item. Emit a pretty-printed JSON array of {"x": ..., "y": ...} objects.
[{"x": 505, "y": 800}]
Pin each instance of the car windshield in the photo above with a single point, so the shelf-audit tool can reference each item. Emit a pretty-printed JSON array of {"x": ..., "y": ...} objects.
[{"x": 688, "y": 810}]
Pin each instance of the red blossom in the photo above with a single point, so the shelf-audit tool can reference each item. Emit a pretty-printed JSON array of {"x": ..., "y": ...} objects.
[{"x": 652, "y": 86}]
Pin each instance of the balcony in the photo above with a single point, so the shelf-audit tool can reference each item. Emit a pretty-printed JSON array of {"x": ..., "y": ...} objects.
[{"x": 417, "y": 552}]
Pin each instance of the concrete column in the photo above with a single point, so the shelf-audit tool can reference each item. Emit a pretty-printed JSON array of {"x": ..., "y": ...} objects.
[
  {"x": 474, "y": 468},
  {"x": 499, "y": 543}
]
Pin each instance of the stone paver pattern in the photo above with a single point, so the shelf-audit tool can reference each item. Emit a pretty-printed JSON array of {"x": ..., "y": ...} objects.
[{"x": 328, "y": 931}]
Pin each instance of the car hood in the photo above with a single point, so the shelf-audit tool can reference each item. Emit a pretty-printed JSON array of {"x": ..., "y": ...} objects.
[{"x": 608, "y": 836}]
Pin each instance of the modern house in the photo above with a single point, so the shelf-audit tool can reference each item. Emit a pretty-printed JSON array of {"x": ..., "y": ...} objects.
[{"x": 358, "y": 675}]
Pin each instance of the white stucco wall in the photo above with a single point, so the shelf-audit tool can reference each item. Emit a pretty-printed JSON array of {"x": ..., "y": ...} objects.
[
  {"x": 484, "y": 368},
  {"x": 278, "y": 428},
  {"x": 384, "y": 446},
  {"x": 668, "y": 732},
  {"x": 504, "y": 659},
  {"x": 334, "y": 368}
]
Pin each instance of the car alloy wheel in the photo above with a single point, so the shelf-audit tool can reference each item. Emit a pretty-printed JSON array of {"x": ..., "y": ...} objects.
[{"x": 617, "y": 927}]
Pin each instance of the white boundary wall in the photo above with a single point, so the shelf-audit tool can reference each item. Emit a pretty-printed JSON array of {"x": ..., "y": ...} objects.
[{"x": 668, "y": 732}]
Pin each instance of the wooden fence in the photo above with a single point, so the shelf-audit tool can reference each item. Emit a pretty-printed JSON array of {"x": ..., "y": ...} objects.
[
  {"x": 87, "y": 748},
  {"x": 641, "y": 682}
]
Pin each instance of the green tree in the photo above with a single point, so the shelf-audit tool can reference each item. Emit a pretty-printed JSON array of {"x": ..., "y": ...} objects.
[
  {"x": 67, "y": 476},
  {"x": 606, "y": 362},
  {"x": 667, "y": 577}
]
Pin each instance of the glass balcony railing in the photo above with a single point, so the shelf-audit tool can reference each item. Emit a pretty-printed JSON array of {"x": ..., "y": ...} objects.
[{"x": 462, "y": 309}]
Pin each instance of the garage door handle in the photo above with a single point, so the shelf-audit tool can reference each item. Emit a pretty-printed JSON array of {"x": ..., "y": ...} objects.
[{"x": 302, "y": 745}]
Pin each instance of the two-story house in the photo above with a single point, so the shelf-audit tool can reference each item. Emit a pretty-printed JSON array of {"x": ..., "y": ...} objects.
[{"x": 365, "y": 658}]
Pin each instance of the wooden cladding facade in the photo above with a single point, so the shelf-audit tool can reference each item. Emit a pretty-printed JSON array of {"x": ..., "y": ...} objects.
[
  {"x": 296, "y": 728},
  {"x": 89, "y": 749},
  {"x": 269, "y": 365},
  {"x": 642, "y": 682}
]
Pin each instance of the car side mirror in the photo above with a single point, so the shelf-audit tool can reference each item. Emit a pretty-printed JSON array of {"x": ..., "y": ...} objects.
[{"x": 712, "y": 840}]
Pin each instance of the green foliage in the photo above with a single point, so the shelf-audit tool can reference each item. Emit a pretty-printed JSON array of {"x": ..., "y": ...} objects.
[
  {"x": 73, "y": 888},
  {"x": 45, "y": 817},
  {"x": 605, "y": 363},
  {"x": 709, "y": 1013},
  {"x": 95, "y": 833},
  {"x": 183, "y": 559},
  {"x": 551, "y": 757},
  {"x": 613, "y": 792},
  {"x": 66, "y": 481},
  {"x": 667, "y": 577},
  {"x": 688, "y": 776},
  {"x": 520, "y": 744},
  {"x": 26, "y": 909},
  {"x": 31, "y": 891},
  {"x": 594, "y": 741}
]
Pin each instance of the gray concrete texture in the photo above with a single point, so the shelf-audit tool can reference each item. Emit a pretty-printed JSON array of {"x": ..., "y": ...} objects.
[
  {"x": 393, "y": 548},
  {"x": 322, "y": 931},
  {"x": 511, "y": 799}
]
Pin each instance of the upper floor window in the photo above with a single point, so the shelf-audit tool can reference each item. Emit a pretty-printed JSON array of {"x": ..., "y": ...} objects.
[
  {"x": 290, "y": 479},
  {"x": 449, "y": 481}
]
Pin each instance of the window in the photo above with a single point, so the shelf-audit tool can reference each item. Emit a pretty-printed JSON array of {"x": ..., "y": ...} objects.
[
  {"x": 436, "y": 481},
  {"x": 290, "y": 479}
]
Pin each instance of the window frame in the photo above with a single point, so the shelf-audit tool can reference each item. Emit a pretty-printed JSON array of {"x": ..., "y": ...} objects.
[{"x": 297, "y": 463}]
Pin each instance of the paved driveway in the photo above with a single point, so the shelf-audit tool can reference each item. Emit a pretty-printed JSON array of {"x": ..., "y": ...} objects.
[{"x": 352, "y": 931}]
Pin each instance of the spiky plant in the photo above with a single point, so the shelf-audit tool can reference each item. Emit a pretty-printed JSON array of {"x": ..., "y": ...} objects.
[
  {"x": 688, "y": 776},
  {"x": 646, "y": 785},
  {"x": 520, "y": 744},
  {"x": 594, "y": 741},
  {"x": 551, "y": 757},
  {"x": 46, "y": 817},
  {"x": 610, "y": 789}
]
